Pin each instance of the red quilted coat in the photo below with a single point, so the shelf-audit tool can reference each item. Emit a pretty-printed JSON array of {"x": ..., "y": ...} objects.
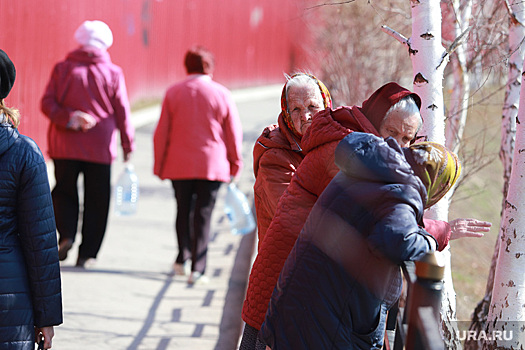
[
  {"x": 315, "y": 172},
  {"x": 276, "y": 156}
]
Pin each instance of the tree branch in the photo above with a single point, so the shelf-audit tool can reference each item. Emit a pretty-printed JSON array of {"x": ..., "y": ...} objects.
[
  {"x": 396, "y": 35},
  {"x": 512, "y": 15},
  {"x": 455, "y": 44},
  {"x": 330, "y": 3}
]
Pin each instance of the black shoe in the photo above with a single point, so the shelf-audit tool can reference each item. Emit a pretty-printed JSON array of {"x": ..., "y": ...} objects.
[{"x": 63, "y": 248}]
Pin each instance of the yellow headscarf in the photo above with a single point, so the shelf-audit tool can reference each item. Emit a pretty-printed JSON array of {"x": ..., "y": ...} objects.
[{"x": 436, "y": 166}]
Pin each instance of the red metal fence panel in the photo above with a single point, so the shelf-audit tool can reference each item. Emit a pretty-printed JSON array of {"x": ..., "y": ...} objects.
[{"x": 254, "y": 42}]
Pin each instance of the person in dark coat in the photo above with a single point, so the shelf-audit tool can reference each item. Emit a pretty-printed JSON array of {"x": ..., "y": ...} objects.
[
  {"x": 368, "y": 220},
  {"x": 30, "y": 288}
]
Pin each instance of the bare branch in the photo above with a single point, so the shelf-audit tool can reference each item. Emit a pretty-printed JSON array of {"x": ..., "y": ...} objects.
[
  {"x": 396, "y": 35},
  {"x": 512, "y": 15},
  {"x": 455, "y": 44},
  {"x": 459, "y": 40},
  {"x": 330, "y": 3}
]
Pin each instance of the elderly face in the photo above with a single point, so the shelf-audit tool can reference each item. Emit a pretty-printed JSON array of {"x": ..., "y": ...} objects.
[
  {"x": 401, "y": 127},
  {"x": 303, "y": 103}
]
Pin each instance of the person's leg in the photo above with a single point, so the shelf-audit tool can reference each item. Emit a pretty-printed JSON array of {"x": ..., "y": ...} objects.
[
  {"x": 206, "y": 192},
  {"x": 97, "y": 192},
  {"x": 65, "y": 203},
  {"x": 184, "y": 197}
]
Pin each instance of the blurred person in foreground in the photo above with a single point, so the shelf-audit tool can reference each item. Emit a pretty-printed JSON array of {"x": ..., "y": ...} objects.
[
  {"x": 365, "y": 224},
  {"x": 197, "y": 145},
  {"x": 30, "y": 287},
  {"x": 391, "y": 111},
  {"x": 86, "y": 103},
  {"x": 277, "y": 152}
]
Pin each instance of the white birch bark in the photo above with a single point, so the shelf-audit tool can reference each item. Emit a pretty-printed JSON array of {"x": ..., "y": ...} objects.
[
  {"x": 429, "y": 59},
  {"x": 506, "y": 313},
  {"x": 459, "y": 99},
  {"x": 508, "y": 134},
  {"x": 512, "y": 92}
]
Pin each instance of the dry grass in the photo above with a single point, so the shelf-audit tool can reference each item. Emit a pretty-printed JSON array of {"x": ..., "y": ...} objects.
[{"x": 479, "y": 197}]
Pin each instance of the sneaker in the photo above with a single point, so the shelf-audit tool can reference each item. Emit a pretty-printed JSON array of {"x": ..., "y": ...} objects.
[
  {"x": 63, "y": 248},
  {"x": 198, "y": 278}
]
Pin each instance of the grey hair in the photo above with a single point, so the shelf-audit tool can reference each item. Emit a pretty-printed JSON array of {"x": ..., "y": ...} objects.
[
  {"x": 301, "y": 79},
  {"x": 407, "y": 106}
]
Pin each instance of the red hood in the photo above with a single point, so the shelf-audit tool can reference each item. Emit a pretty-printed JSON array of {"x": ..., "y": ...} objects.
[{"x": 376, "y": 106}]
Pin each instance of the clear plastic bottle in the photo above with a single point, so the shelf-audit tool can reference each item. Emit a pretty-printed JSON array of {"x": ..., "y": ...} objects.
[
  {"x": 238, "y": 211},
  {"x": 127, "y": 192}
]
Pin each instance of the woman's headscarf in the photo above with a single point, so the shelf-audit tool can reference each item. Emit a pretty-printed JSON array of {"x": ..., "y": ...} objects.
[
  {"x": 325, "y": 94},
  {"x": 94, "y": 33},
  {"x": 437, "y": 167},
  {"x": 382, "y": 99}
]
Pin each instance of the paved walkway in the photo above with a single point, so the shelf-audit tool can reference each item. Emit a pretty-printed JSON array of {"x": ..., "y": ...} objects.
[{"x": 128, "y": 300}]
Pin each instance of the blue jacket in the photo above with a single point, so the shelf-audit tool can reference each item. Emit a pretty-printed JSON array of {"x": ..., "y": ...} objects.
[
  {"x": 343, "y": 273},
  {"x": 30, "y": 288}
]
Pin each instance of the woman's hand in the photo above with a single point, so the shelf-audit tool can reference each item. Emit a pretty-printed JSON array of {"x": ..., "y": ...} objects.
[
  {"x": 468, "y": 228},
  {"x": 46, "y": 333},
  {"x": 81, "y": 121}
]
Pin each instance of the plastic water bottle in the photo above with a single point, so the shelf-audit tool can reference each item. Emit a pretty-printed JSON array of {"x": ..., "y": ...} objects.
[
  {"x": 127, "y": 192},
  {"x": 238, "y": 211}
]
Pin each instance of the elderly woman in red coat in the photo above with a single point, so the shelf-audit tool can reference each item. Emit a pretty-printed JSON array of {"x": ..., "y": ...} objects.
[{"x": 277, "y": 152}]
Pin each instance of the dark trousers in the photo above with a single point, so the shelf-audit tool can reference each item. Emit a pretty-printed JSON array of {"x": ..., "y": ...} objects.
[
  {"x": 195, "y": 203},
  {"x": 251, "y": 339},
  {"x": 97, "y": 189}
]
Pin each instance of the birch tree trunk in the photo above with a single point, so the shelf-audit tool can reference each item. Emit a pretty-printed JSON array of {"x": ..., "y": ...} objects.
[
  {"x": 457, "y": 116},
  {"x": 506, "y": 314},
  {"x": 429, "y": 59},
  {"x": 512, "y": 92},
  {"x": 508, "y": 133}
]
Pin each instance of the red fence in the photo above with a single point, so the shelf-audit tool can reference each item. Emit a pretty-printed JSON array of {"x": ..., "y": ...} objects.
[{"x": 254, "y": 42}]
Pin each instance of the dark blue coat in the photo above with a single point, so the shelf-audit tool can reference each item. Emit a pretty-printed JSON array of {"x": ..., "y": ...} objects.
[
  {"x": 343, "y": 273},
  {"x": 30, "y": 289}
]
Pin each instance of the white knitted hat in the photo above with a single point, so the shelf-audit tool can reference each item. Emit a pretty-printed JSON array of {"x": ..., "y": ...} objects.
[{"x": 94, "y": 33}]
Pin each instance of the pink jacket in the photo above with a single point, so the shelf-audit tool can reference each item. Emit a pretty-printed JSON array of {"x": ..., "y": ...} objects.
[
  {"x": 88, "y": 81},
  {"x": 199, "y": 133}
]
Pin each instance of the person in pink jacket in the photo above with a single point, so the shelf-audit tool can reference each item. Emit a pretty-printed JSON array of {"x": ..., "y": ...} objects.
[
  {"x": 197, "y": 145},
  {"x": 86, "y": 103},
  {"x": 277, "y": 152}
]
